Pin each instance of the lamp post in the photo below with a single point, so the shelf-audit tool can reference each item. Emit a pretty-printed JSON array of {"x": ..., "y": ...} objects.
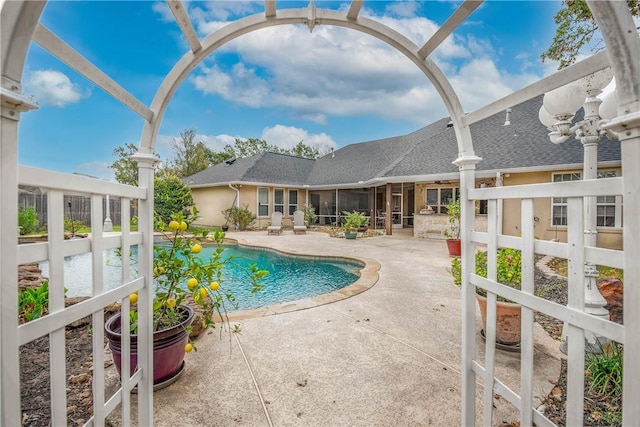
[
  {"x": 73, "y": 231},
  {"x": 108, "y": 224},
  {"x": 559, "y": 107}
]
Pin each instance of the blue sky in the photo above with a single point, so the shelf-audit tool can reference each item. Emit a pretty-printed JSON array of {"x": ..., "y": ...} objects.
[{"x": 329, "y": 88}]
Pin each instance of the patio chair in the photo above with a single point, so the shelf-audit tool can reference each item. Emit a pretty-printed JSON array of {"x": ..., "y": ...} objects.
[
  {"x": 276, "y": 223},
  {"x": 298, "y": 223}
]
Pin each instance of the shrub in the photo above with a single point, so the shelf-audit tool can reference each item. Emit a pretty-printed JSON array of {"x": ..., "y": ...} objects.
[
  {"x": 32, "y": 302},
  {"x": 240, "y": 217},
  {"x": 509, "y": 269},
  {"x": 309, "y": 215},
  {"x": 604, "y": 370},
  {"x": 172, "y": 195},
  {"x": 27, "y": 220},
  {"x": 453, "y": 229},
  {"x": 72, "y": 226}
]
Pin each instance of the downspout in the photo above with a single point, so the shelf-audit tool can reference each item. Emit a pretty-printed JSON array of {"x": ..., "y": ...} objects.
[{"x": 237, "y": 195}]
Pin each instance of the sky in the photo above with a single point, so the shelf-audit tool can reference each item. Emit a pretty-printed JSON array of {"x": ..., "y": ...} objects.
[{"x": 328, "y": 88}]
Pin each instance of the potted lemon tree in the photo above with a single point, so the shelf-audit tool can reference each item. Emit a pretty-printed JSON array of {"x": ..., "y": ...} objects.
[
  {"x": 452, "y": 231},
  {"x": 180, "y": 273},
  {"x": 508, "y": 313}
]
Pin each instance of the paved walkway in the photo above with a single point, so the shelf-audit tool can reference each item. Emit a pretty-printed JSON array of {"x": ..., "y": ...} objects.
[{"x": 389, "y": 356}]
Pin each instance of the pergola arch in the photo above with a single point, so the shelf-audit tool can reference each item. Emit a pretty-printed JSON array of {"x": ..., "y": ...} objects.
[
  {"x": 231, "y": 31},
  {"x": 20, "y": 26}
]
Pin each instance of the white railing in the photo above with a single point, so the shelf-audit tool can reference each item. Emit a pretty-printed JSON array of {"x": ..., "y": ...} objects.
[
  {"x": 577, "y": 321},
  {"x": 53, "y": 324}
]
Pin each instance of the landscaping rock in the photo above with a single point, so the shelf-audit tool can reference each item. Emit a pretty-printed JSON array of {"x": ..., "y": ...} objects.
[{"x": 612, "y": 289}]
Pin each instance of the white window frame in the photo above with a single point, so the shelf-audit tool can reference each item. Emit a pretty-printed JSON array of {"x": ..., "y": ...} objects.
[
  {"x": 441, "y": 207},
  {"x": 278, "y": 206},
  {"x": 293, "y": 205},
  {"x": 602, "y": 201},
  {"x": 263, "y": 191}
]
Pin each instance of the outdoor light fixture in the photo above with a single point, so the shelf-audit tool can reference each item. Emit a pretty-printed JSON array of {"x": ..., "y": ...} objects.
[{"x": 558, "y": 109}]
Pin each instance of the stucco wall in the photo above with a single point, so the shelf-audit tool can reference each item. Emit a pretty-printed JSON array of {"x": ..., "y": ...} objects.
[
  {"x": 608, "y": 237},
  {"x": 431, "y": 226},
  {"x": 212, "y": 201}
]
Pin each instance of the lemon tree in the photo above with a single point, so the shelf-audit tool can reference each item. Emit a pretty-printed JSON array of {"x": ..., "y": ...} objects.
[{"x": 180, "y": 271}]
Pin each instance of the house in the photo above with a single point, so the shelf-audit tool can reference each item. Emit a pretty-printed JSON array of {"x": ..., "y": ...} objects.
[{"x": 414, "y": 172}]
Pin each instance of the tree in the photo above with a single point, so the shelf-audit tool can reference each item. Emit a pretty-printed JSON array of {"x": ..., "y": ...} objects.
[
  {"x": 190, "y": 157},
  {"x": 252, "y": 146},
  {"x": 125, "y": 168},
  {"x": 172, "y": 196},
  {"x": 575, "y": 29},
  {"x": 303, "y": 150}
]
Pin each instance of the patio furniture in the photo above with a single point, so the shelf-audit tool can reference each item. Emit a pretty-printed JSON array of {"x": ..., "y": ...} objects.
[
  {"x": 298, "y": 223},
  {"x": 276, "y": 223}
]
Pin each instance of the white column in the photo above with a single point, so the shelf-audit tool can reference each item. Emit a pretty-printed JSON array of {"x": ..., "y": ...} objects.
[
  {"x": 467, "y": 164},
  {"x": 146, "y": 163}
]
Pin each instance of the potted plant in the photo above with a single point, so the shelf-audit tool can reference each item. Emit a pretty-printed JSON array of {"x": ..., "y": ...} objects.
[
  {"x": 352, "y": 222},
  {"x": 180, "y": 274},
  {"x": 508, "y": 313},
  {"x": 452, "y": 231}
]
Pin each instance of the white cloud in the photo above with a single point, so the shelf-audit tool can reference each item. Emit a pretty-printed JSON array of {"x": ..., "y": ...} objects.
[
  {"x": 162, "y": 9},
  {"x": 289, "y": 136},
  {"x": 96, "y": 169},
  {"x": 51, "y": 87},
  {"x": 335, "y": 71}
]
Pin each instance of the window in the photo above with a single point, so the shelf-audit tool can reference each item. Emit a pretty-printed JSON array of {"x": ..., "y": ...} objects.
[
  {"x": 263, "y": 201},
  {"x": 608, "y": 210},
  {"x": 440, "y": 198},
  {"x": 293, "y": 201},
  {"x": 278, "y": 200}
]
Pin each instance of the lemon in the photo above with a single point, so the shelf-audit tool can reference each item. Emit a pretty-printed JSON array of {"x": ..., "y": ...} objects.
[
  {"x": 183, "y": 226},
  {"x": 133, "y": 298},
  {"x": 174, "y": 225},
  {"x": 203, "y": 292},
  {"x": 156, "y": 271},
  {"x": 171, "y": 303},
  {"x": 192, "y": 283},
  {"x": 196, "y": 248},
  {"x": 188, "y": 348},
  {"x": 214, "y": 286}
]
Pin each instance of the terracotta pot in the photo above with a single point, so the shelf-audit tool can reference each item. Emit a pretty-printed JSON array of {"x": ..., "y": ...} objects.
[
  {"x": 454, "y": 247},
  {"x": 168, "y": 347},
  {"x": 507, "y": 320}
]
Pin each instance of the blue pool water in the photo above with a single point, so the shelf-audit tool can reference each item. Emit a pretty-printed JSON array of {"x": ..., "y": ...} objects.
[{"x": 290, "y": 278}]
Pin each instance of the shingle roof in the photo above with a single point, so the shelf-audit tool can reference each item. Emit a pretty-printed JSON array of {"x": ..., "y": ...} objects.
[
  {"x": 428, "y": 151},
  {"x": 267, "y": 167}
]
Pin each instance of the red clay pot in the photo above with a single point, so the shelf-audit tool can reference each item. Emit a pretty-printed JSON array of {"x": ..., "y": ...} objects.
[
  {"x": 454, "y": 247},
  {"x": 508, "y": 317},
  {"x": 168, "y": 347}
]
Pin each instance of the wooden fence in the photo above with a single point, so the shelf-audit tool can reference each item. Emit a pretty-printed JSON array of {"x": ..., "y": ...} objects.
[{"x": 77, "y": 207}]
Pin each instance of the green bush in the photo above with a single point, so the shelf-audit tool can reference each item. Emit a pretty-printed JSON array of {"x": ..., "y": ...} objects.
[
  {"x": 604, "y": 370},
  {"x": 309, "y": 215},
  {"x": 27, "y": 220},
  {"x": 509, "y": 269},
  {"x": 240, "y": 217},
  {"x": 72, "y": 226},
  {"x": 32, "y": 302},
  {"x": 172, "y": 195}
]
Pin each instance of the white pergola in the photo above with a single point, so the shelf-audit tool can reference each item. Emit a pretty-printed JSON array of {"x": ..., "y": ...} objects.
[{"x": 21, "y": 27}]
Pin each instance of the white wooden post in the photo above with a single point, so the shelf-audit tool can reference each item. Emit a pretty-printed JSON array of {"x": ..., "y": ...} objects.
[
  {"x": 146, "y": 164},
  {"x": 467, "y": 164}
]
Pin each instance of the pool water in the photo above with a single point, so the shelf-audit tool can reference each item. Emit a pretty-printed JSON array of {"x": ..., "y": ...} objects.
[{"x": 290, "y": 278}]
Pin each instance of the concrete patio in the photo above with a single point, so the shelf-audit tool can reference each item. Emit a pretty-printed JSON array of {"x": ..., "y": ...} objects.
[{"x": 387, "y": 356}]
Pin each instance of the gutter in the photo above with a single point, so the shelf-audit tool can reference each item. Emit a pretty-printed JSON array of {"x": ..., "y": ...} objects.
[{"x": 237, "y": 194}]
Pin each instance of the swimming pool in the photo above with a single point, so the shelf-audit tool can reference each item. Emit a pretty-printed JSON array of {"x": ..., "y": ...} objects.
[{"x": 290, "y": 277}]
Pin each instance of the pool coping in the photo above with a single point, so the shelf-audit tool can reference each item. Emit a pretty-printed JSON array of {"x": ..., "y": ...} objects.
[{"x": 368, "y": 278}]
